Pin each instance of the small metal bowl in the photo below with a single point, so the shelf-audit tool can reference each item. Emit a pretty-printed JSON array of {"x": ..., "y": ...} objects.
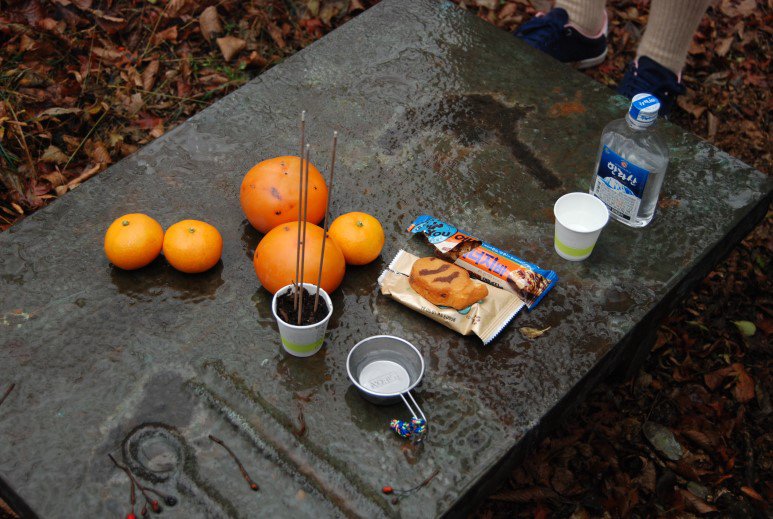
[{"x": 385, "y": 369}]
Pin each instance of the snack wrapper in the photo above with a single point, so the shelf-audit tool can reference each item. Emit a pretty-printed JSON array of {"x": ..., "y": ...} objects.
[
  {"x": 486, "y": 318},
  {"x": 486, "y": 262}
]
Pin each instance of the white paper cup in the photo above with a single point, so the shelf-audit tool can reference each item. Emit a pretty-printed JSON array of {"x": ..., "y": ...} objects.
[
  {"x": 302, "y": 341},
  {"x": 579, "y": 220}
]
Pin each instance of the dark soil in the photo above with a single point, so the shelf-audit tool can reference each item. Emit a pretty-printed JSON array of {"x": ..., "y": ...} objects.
[{"x": 288, "y": 311}]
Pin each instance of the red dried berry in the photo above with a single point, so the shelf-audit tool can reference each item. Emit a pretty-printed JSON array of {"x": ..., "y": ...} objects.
[
  {"x": 155, "y": 506},
  {"x": 387, "y": 490},
  {"x": 131, "y": 516}
]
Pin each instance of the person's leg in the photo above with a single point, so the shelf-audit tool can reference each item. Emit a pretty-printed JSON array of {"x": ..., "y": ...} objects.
[
  {"x": 670, "y": 29},
  {"x": 588, "y": 15},
  {"x": 660, "y": 57},
  {"x": 572, "y": 32}
]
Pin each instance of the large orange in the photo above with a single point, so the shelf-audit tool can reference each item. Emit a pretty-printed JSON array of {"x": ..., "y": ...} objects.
[
  {"x": 269, "y": 193},
  {"x": 275, "y": 258},
  {"x": 133, "y": 241},
  {"x": 192, "y": 246},
  {"x": 359, "y": 235}
]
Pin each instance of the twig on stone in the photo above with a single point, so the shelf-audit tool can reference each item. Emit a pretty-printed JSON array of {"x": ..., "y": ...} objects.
[
  {"x": 247, "y": 478},
  {"x": 7, "y": 392}
]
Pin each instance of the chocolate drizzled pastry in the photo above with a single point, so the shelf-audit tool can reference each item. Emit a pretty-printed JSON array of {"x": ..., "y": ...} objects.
[{"x": 444, "y": 284}]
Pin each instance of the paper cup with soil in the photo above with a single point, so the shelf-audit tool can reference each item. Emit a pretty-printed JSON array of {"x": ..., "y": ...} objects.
[{"x": 304, "y": 339}]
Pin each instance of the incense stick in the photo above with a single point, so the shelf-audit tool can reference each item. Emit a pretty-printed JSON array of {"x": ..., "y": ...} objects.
[
  {"x": 327, "y": 215},
  {"x": 300, "y": 202},
  {"x": 303, "y": 241}
]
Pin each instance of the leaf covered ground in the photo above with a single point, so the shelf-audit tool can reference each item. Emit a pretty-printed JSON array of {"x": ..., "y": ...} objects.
[{"x": 83, "y": 83}]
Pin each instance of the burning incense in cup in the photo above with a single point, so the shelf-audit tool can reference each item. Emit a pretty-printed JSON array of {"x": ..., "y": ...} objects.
[
  {"x": 300, "y": 201},
  {"x": 305, "y": 198}
]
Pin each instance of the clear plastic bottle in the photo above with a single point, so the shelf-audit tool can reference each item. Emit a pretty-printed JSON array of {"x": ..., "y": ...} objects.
[{"x": 631, "y": 164}]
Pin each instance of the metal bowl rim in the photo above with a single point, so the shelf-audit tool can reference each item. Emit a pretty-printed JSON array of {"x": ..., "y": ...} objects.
[{"x": 384, "y": 395}]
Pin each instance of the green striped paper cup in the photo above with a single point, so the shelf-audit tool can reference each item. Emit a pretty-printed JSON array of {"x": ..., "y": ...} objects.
[
  {"x": 302, "y": 341},
  {"x": 579, "y": 220}
]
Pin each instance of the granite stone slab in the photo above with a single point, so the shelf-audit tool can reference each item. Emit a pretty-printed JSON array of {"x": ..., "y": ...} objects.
[{"x": 438, "y": 113}]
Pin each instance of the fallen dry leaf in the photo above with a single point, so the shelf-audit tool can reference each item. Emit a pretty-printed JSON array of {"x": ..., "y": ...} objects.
[
  {"x": 663, "y": 440},
  {"x": 157, "y": 131},
  {"x": 693, "y": 109},
  {"x": 26, "y": 43},
  {"x": 747, "y": 328},
  {"x": 712, "y": 126},
  {"x": 276, "y": 35},
  {"x": 178, "y": 7},
  {"x": 487, "y": 4},
  {"x": 213, "y": 79},
  {"x": 55, "y": 178},
  {"x": 723, "y": 46},
  {"x": 742, "y": 8},
  {"x": 355, "y": 6},
  {"x": 696, "y": 503},
  {"x": 97, "y": 152},
  {"x": 134, "y": 103},
  {"x": 714, "y": 378},
  {"x": 209, "y": 23},
  {"x": 753, "y": 494},
  {"x": 87, "y": 174},
  {"x": 532, "y": 333},
  {"x": 108, "y": 54},
  {"x": 743, "y": 391},
  {"x": 54, "y": 155},
  {"x": 147, "y": 123},
  {"x": 149, "y": 75},
  {"x": 329, "y": 11},
  {"x": 51, "y": 112},
  {"x": 230, "y": 46},
  {"x": 508, "y": 10},
  {"x": 168, "y": 34}
]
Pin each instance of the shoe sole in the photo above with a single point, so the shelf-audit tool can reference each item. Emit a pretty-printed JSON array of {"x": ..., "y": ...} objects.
[{"x": 592, "y": 62}]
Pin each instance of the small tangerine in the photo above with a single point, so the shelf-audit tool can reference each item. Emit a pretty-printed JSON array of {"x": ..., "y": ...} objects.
[
  {"x": 133, "y": 241},
  {"x": 359, "y": 235},
  {"x": 192, "y": 246}
]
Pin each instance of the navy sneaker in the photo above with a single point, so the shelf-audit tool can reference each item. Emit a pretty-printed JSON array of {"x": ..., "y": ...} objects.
[
  {"x": 553, "y": 34},
  {"x": 647, "y": 75}
]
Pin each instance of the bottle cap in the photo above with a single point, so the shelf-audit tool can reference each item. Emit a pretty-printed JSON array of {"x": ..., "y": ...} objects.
[{"x": 644, "y": 109}]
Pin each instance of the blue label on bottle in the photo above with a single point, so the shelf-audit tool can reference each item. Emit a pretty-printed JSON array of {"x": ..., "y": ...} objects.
[{"x": 620, "y": 175}]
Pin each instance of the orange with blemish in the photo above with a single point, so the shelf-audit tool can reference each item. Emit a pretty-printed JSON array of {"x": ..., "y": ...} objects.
[{"x": 269, "y": 193}]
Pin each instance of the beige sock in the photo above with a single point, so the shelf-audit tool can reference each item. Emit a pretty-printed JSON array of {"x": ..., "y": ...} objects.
[
  {"x": 587, "y": 15},
  {"x": 670, "y": 30}
]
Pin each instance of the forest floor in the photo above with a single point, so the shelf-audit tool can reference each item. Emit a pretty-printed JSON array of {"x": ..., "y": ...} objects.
[{"x": 84, "y": 83}]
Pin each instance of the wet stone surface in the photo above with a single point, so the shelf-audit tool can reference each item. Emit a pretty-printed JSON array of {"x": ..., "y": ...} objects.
[{"x": 438, "y": 113}]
